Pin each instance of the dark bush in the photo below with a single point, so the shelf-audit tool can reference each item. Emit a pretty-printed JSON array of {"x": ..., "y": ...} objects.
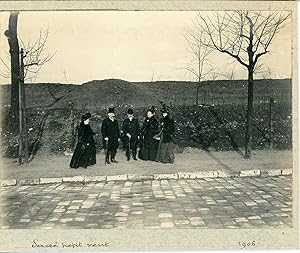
[
  {"x": 223, "y": 127},
  {"x": 220, "y": 127}
]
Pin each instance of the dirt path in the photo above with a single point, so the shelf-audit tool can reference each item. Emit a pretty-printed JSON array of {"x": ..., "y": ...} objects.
[{"x": 190, "y": 161}]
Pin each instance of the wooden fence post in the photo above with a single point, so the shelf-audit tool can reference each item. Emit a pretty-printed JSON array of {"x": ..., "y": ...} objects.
[
  {"x": 25, "y": 130},
  {"x": 271, "y": 106},
  {"x": 20, "y": 119},
  {"x": 72, "y": 126}
]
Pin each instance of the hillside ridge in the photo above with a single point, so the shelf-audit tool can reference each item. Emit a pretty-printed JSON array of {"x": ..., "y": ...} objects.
[{"x": 118, "y": 92}]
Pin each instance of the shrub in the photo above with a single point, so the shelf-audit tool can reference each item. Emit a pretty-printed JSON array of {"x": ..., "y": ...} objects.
[{"x": 220, "y": 127}]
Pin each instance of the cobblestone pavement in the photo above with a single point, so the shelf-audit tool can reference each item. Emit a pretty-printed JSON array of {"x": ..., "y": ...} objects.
[{"x": 200, "y": 203}]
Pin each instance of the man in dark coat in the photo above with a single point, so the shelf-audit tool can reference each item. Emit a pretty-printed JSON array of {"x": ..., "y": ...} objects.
[
  {"x": 149, "y": 145},
  {"x": 131, "y": 130},
  {"x": 165, "y": 152},
  {"x": 111, "y": 136}
]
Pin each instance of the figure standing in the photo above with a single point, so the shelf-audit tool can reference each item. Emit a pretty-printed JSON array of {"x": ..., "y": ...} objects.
[
  {"x": 149, "y": 145},
  {"x": 131, "y": 130},
  {"x": 111, "y": 136},
  {"x": 85, "y": 152},
  {"x": 165, "y": 153}
]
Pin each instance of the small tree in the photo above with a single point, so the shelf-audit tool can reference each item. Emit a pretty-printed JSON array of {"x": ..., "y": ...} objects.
[
  {"x": 33, "y": 57},
  {"x": 200, "y": 66},
  {"x": 245, "y": 36}
]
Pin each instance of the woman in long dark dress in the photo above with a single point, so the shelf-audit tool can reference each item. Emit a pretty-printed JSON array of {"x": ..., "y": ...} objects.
[
  {"x": 149, "y": 145},
  {"x": 85, "y": 151}
]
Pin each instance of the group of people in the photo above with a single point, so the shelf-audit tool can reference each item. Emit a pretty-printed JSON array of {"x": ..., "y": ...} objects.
[{"x": 151, "y": 142}]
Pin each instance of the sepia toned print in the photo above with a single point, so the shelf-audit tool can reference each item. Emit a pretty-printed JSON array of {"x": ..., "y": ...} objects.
[{"x": 182, "y": 120}]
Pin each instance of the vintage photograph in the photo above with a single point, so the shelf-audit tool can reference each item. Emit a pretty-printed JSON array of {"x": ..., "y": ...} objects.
[{"x": 146, "y": 120}]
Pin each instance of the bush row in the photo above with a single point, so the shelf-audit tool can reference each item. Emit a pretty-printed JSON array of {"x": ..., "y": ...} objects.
[{"x": 220, "y": 127}]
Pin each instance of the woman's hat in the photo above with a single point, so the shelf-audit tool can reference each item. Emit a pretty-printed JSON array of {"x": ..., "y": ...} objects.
[
  {"x": 130, "y": 111},
  {"x": 86, "y": 116}
]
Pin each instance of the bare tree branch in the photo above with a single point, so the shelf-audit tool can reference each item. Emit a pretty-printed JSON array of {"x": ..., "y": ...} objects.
[
  {"x": 245, "y": 36},
  {"x": 35, "y": 54},
  {"x": 232, "y": 32}
]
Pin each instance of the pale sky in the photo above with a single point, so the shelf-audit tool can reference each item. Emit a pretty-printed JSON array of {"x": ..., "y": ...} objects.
[{"x": 129, "y": 45}]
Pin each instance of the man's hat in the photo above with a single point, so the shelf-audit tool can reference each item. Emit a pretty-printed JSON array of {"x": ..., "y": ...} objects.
[
  {"x": 86, "y": 116},
  {"x": 165, "y": 108},
  {"x": 151, "y": 109},
  {"x": 130, "y": 111},
  {"x": 111, "y": 110}
]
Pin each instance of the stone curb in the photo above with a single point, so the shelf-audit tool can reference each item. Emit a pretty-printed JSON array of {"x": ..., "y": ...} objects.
[{"x": 161, "y": 176}]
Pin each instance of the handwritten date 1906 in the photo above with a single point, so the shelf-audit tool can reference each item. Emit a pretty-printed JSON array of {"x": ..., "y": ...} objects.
[{"x": 244, "y": 245}]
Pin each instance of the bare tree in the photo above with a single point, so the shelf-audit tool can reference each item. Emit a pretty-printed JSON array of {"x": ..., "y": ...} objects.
[
  {"x": 36, "y": 55},
  {"x": 229, "y": 75},
  {"x": 28, "y": 60},
  {"x": 246, "y": 36},
  {"x": 200, "y": 66},
  {"x": 153, "y": 75}
]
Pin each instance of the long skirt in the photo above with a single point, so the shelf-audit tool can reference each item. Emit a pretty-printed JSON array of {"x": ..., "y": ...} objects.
[
  {"x": 166, "y": 153},
  {"x": 148, "y": 150},
  {"x": 83, "y": 156}
]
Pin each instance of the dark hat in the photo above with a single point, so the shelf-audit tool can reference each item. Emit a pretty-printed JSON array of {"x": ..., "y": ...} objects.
[
  {"x": 111, "y": 110},
  {"x": 165, "y": 108},
  {"x": 130, "y": 111},
  {"x": 151, "y": 109},
  {"x": 86, "y": 116}
]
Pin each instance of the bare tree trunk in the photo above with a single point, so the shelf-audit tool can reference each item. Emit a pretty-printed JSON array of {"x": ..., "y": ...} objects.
[
  {"x": 248, "y": 144},
  {"x": 251, "y": 66},
  {"x": 15, "y": 70},
  {"x": 197, "y": 94},
  {"x": 20, "y": 123}
]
